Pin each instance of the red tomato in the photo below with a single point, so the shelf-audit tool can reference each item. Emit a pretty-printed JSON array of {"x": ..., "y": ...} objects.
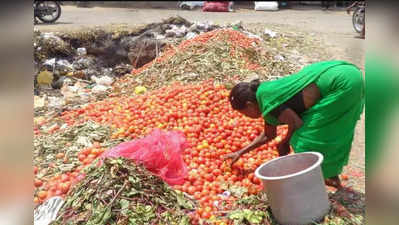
[
  {"x": 191, "y": 190},
  {"x": 81, "y": 157},
  {"x": 92, "y": 156},
  {"x": 87, "y": 161},
  {"x": 38, "y": 183},
  {"x": 64, "y": 178},
  {"x": 42, "y": 195},
  {"x": 60, "y": 155},
  {"x": 206, "y": 215},
  {"x": 86, "y": 151},
  {"x": 64, "y": 187}
]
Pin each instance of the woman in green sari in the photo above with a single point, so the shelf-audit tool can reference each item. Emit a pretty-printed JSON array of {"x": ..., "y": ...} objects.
[{"x": 320, "y": 104}]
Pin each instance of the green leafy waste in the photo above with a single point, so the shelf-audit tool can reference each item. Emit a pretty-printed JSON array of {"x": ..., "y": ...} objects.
[
  {"x": 255, "y": 209},
  {"x": 69, "y": 141},
  {"x": 121, "y": 192}
]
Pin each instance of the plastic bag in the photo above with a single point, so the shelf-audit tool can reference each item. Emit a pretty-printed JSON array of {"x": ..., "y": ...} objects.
[
  {"x": 191, "y": 4},
  {"x": 81, "y": 51},
  {"x": 47, "y": 212},
  {"x": 104, "y": 80},
  {"x": 99, "y": 89},
  {"x": 160, "y": 152},
  {"x": 216, "y": 7},
  {"x": 266, "y": 6}
]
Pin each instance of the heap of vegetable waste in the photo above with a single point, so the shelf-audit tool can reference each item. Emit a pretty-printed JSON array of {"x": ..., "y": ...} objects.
[
  {"x": 222, "y": 55},
  {"x": 121, "y": 192}
]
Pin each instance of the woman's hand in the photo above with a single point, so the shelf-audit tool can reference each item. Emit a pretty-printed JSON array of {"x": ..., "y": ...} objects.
[
  {"x": 234, "y": 156},
  {"x": 283, "y": 148}
]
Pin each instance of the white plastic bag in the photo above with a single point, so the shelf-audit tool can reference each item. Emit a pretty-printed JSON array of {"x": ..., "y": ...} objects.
[
  {"x": 82, "y": 51},
  {"x": 271, "y": 34},
  {"x": 99, "y": 89},
  {"x": 104, "y": 80},
  {"x": 64, "y": 64},
  {"x": 190, "y": 35},
  {"x": 191, "y": 4},
  {"x": 47, "y": 212},
  {"x": 49, "y": 62},
  {"x": 266, "y": 6},
  {"x": 55, "y": 102}
]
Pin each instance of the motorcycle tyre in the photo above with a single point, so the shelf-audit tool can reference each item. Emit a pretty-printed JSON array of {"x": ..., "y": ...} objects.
[
  {"x": 355, "y": 26},
  {"x": 56, "y": 18}
]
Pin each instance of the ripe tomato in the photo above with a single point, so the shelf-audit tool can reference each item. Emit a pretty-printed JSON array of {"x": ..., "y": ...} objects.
[
  {"x": 38, "y": 183},
  {"x": 92, "y": 156},
  {"x": 86, "y": 151},
  {"x": 42, "y": 195},
  {"x": 64, "y": 187},
  {"x": 81, "y": 157},
  {"x": 60, "y": 155},
  {"x": 96, "y": 151},
  {"x": 209, "y": 177},
  {"x": 191, "y": 190},
  {"x": 217, "y": 172},
  {"x": 58, "y": 192},
  {"x": 87, "y": 161},
  {"x": 64, "y": 178},
  {"x": 206, "y": 215},
  {"x": 197, "y": 195}
]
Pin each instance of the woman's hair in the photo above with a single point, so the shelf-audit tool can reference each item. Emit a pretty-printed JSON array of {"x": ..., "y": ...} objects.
[{"x": 242, "y": 93}]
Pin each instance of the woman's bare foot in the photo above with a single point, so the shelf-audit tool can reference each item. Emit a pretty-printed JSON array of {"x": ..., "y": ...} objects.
[{"x": 334, "y": 182}]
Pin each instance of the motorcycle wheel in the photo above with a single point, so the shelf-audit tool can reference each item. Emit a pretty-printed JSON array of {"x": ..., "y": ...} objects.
[
  {"x": 49, "y": 18},
  {"x": 358, "y": 20}
]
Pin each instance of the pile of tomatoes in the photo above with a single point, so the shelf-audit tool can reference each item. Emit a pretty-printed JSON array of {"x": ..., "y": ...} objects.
[
  {"x": 59, "y": 184},
  {"x": 212, "y": 129}
]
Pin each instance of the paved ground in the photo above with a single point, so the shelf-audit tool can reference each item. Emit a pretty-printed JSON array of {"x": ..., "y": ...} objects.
[{"x": 333, "y": 27}]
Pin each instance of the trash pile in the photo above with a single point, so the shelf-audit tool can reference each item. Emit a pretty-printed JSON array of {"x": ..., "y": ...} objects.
[
  {"x": 222, "y": 55},
  {"x": 175, "y": 86},
  {"x": 84, "y": 64},
  {"x": 121, "y": 192},
  {"x": 79, "y": 67},
  {"x": 110, "y": 48}
]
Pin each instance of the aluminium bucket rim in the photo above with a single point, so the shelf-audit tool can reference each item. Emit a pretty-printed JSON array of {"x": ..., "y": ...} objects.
[{"x": 310, "y": 168}]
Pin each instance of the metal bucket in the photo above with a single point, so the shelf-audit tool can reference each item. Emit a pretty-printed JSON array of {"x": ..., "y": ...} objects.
[{"x": 295, "y": 187}]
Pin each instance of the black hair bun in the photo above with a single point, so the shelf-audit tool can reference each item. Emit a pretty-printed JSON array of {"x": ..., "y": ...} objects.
[{"x": 254, "y": 84}]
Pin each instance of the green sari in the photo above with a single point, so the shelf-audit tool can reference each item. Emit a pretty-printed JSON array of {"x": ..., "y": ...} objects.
[{"x": 329, "y": 125}]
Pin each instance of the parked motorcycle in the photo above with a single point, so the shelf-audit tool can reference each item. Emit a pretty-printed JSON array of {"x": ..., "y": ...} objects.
[
  {"x": 358, "y": 17},
  {"x": 47, "y": 11}
]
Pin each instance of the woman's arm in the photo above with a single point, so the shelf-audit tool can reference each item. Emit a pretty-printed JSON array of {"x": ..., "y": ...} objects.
[
  {"x": 289, "y": 117},
  {"x": 268, "y": 133}
]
